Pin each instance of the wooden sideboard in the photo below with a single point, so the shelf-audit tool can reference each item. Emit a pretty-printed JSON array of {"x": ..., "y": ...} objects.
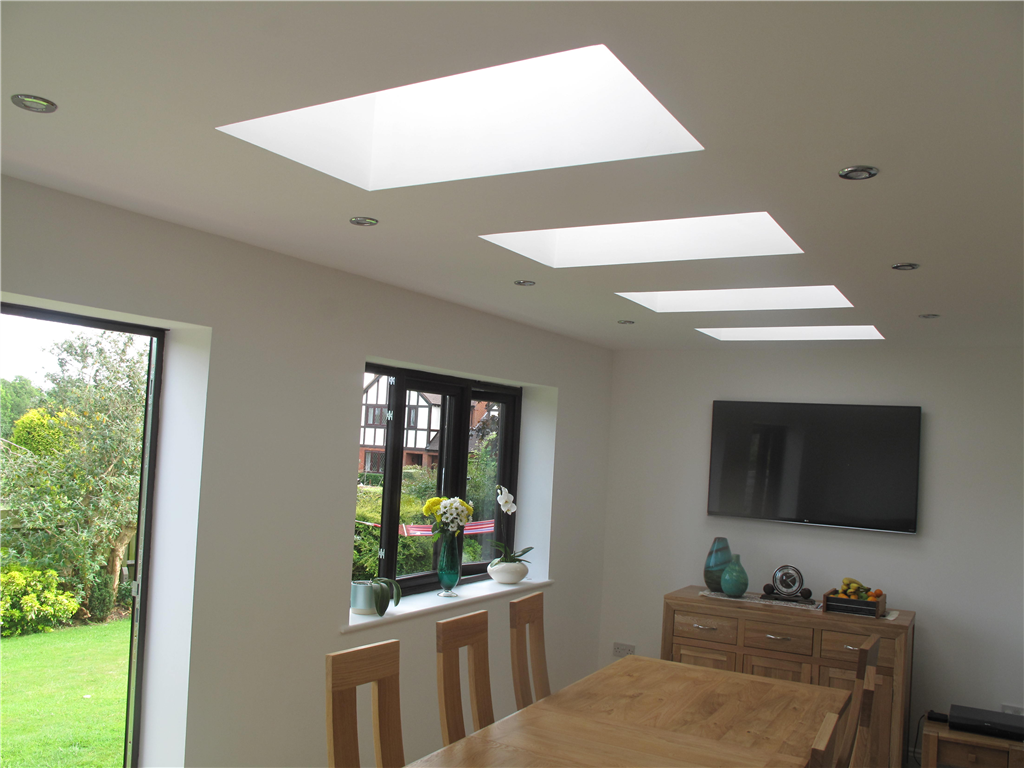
[{"x": 776, "y": 640}]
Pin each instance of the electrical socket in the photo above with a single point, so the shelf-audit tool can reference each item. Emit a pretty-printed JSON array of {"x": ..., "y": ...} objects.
[
  {"x": 1012, "y": 710},
  {"x": 623, "y": 649}
]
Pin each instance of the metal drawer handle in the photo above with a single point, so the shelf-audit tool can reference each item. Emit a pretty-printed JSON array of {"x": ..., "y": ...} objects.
[
  {"x": 851, "y": 647},
  {"x": 701, "y": 626},
  {"x": 777, "y": 637}
]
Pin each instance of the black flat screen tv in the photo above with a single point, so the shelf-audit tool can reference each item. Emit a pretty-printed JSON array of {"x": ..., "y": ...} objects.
[{"x": 850, "y": 466}]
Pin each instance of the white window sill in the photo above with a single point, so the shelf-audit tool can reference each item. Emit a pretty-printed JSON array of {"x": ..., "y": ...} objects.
[{"x": 424, "y": 603}]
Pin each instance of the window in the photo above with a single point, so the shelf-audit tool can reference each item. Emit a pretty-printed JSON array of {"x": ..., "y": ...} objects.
[
  {"x": 376, "y": 416},
  {"x": 375, "y": 461},
  {"x": 440, "y": 436}
]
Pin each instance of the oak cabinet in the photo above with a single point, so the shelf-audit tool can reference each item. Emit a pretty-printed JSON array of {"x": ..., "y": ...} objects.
[
  {"x": 962, "y": 749},
  {"x": 786, "y": 642},
  {"x": 778, "y": 669}
]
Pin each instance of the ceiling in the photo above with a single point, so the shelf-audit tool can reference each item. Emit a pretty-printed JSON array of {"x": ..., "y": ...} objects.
[{"x": 781, "y": 96}]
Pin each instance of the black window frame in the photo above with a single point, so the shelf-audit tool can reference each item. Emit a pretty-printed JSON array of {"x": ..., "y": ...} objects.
[{"x": 453, "y": 460}]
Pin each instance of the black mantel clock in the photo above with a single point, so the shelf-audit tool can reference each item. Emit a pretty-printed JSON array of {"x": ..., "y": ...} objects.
[{"x": 788, "y": 585}]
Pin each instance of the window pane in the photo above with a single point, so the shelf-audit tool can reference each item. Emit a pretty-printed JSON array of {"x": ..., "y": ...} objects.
[
  {"x": 370, "y": 476},
  {"x": 420, "y": 457},
  {"x": 485, "y": 425}
]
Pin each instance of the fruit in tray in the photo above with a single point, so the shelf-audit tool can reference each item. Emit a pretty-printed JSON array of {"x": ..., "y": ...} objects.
[{"x": 854, "y": 590}]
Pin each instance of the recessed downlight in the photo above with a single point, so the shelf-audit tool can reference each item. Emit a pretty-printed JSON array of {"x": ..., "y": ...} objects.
[
  {"x": 33, "y": 103},
  {"x": 363, "y": 221},
  {"x": 626, "y": 322},
  {"x": 524, "y": 283},
  {"x": 858, "y": 172},
  {"x": 905, "y": 266}
]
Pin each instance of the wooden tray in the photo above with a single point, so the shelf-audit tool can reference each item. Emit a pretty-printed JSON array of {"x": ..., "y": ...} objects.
[{"x": 833, "y": 603}]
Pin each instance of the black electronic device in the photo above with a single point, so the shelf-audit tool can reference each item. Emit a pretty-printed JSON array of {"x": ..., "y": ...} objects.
[
  {"x": 849, "y": 466},
  {"x": 1002, "y": 725}
]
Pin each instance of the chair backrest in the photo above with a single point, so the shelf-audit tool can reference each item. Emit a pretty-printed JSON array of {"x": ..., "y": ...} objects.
[
  {"x": 824, "y": 744},
  {"x": 465, "y": 631},
  {"x": 376, "y": 664},
  {"x": 527, "y": 621},
  {"x": 861, "y": 757},
  {"x": 867, "y": 661}
]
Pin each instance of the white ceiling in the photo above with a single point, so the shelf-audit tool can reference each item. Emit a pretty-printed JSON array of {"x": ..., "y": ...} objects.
[{"x": 781, "y": 95}]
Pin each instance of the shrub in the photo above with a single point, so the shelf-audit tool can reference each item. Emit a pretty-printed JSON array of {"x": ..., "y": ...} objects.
[
  {"x": 371, "y": 478},
  {"x": 30, "y": 602},
  {"x": 101, "y": 599},
  {"x": 124, "y": 594},
  {"x": 420, "y": 484}
]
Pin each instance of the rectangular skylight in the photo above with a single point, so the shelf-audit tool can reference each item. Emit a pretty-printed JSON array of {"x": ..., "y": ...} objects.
[
  {"x": 704, "y": 237},
  {"x": 795, "y": 333},
  {"x": 733, "y": 299},
  {"x": 571, "y": 108}
]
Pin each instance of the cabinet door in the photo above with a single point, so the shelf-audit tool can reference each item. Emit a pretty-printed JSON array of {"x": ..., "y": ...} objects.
[
  {"x": 704, "y": 657},
  {"x": 881, "y": 711},
  {"x": 779, "y": 669}
]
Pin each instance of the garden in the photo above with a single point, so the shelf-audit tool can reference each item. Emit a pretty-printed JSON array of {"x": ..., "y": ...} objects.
[
  {"x": 71, "y": 461},
  {"x": 416, "y": 553},
  {"x": 64, "y": 696}
]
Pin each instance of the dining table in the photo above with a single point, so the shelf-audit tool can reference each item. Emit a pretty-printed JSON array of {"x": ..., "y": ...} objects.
[{"x": 640, "y": 711}]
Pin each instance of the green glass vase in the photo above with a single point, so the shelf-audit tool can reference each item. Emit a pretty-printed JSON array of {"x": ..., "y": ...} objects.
[
  {"x": 449, "y": 563},
  {"x": 719, "y": 557},
  {"x": 734, "y": 578}
]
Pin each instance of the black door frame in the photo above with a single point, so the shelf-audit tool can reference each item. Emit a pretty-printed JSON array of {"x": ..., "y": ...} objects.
[{"x": 147, "y": 481}]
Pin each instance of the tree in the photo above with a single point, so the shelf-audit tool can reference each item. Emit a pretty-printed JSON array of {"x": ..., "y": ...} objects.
[
  {"x": 16, "y": 398},
  {"x": 42, "y": 433},
  {"x": 72, "y": 501}
]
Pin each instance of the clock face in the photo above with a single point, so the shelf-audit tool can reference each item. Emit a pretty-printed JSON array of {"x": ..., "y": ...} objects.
[{"x": 787, "y": 580}]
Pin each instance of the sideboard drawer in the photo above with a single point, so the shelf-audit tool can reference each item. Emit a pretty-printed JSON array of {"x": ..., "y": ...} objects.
[
  {"x": 971, "y": 756},
  {"x": 778, "y": 637},
  {"x": 704, "y": 657},
  {"x": 844, "y": 645},
  {"x": 702, "y": 627}
]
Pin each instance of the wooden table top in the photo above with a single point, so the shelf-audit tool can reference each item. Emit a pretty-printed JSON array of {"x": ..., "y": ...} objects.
[{"x": 649, "y": 712}]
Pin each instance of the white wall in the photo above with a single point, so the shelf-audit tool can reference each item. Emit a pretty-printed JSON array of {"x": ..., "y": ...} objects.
[
  {"x": 962, "y": 573},
  {"x": 289, "y": 342}
]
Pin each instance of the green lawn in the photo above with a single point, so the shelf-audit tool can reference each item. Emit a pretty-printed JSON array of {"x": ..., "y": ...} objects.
[{"x": 46, "y": 719}]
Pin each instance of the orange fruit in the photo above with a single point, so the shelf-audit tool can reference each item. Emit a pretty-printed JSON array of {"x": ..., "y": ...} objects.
[{"x": 872, "y": 598}]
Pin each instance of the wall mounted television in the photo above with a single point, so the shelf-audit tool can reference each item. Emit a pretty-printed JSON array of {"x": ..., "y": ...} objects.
[{"x": 849, "y": 466}]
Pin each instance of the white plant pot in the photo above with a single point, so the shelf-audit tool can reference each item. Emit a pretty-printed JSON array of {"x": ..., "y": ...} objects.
[{"x": 508, "y": 573}]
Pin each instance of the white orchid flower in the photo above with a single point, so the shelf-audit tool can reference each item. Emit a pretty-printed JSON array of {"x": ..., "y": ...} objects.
[{"x": 505, "y": 500}]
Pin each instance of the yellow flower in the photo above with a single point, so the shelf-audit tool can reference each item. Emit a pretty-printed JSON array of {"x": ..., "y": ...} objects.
[{"x": 430, "y": 509}]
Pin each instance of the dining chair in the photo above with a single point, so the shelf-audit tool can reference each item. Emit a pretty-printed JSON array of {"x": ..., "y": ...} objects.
[
  {"x": 464, "y": 631},
  {"x": 861, "y": 757},
  {"x": 824, "y": 745},
  {"x": 867, "y": 661},
  {"x": 527, "y": 622},
  {"x": 376, "y": 664}
]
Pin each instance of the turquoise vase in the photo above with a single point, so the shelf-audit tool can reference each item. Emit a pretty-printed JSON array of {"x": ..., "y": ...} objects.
[
  {"x": 718, "y": 558},
  {"x": 734, "y": 578},
  {"x": 449, "y": 563}
]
